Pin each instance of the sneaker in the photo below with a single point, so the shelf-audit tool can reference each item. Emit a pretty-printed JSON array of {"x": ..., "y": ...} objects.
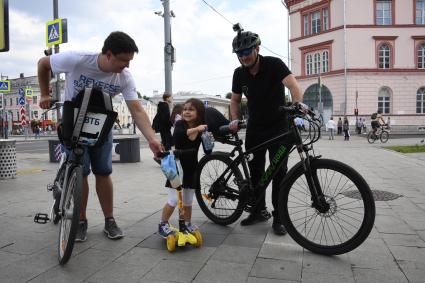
[
  {"x": 278, "y": 227},
  {"x": 82, "y": 231},
  {"x": 253, "y": 218},
  {"x": 191, "y": 227},
  {"x": 112, "y": 230},
  {"x": 164, "y": 229}
]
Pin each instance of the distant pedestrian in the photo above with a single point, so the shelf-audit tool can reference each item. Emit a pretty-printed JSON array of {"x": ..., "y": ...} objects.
[
  {"x": 388, "y": 123},
  {"x": 37, "y": 132},
  {"x": 346, "y": 128},
  {"x": 339, "y": 126},
  {"x": 364, "y": 130},
  {"x": 330, "y": 126},
  {"x": 164, "y": 121},
  {"x": 359, "y": 126},
  {"x": 299, "y": 122}
]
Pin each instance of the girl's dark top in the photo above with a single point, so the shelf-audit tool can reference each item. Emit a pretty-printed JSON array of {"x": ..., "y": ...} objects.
[{"x": 189, "y": 162}]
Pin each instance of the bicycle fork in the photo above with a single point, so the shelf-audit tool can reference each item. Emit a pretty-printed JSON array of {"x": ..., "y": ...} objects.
[{"x": 317, "y": 197}]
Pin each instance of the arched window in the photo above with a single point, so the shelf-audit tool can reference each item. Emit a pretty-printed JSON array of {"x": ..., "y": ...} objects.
[
  {"x": 325, "y": 59},
  {"x": 384, "y": 56},
  {"x": 421, "y": 56},
  {"x": 420, "y": 101},
  {"x": 309, "y": 64},
  {"x": 384, "y": 100},
  {"x": 316, "y": 63}
]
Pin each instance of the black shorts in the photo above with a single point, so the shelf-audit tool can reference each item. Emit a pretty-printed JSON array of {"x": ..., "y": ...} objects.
[{"x": 374, "y": 124}]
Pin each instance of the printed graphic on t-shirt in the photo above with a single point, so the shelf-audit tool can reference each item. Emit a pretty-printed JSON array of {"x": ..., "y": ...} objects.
[{"x": 85, "y": 81}]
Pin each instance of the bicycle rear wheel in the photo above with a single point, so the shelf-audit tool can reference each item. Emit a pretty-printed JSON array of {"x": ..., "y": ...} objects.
[
  {"x": 70, "y": 214},
  {"x": 342, "y": 227},
  {"x": 219, "y": 199},
  {"x": 384, "y": 136},
  {"x": 371, "y": 137}
]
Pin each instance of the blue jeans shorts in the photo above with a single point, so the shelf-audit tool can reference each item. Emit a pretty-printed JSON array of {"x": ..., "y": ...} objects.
[{"x": 98, "y": 159}]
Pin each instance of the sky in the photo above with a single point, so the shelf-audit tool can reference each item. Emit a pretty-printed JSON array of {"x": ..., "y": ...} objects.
[{"x": 202, "y": 38}]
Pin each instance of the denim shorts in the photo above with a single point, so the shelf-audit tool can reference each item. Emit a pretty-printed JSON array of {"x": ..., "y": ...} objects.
[{"x": 98, "y": 159}]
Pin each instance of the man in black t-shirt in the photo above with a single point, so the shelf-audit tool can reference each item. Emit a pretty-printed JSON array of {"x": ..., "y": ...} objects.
[
  {"x": 164, "y": 121},
  {"x": 261, "y": 79}
]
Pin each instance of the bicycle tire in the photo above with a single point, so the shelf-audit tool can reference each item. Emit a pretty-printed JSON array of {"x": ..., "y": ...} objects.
[
  {"x": 371, "y": 137},
  {"x": 225, "y": 211},
  {"x": 70, "y": 214},
  {"x": 384, "y": 136},
  {"x": 59, "y": 180},
  {"x": 345, "y": 210}
]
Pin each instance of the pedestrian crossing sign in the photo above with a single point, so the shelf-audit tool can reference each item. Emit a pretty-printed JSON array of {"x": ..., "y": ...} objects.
[
  {"x": 28, "y": 92},
  {"x": 5, "y": 86},
  {"x": 54, "y": 32}
]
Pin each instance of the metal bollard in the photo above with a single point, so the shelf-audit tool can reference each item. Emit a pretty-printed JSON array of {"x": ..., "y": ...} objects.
[{"x": 7, "y": 159}]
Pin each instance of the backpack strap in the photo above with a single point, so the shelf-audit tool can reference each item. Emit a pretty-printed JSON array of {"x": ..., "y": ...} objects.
[{"x": 81, "y": 114}]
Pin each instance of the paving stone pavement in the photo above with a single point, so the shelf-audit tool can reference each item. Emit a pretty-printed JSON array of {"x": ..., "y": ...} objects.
[{"x": 394, "y": 252}]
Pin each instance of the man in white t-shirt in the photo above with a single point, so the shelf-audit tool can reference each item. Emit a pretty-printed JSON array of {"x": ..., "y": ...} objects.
[{"x": 106, "y": 70}]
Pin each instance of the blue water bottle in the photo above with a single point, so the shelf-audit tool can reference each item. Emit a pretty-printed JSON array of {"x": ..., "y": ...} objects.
[{"x": 207, "y": 141}]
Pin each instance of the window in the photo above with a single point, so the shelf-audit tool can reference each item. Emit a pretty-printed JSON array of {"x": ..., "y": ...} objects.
[
  {"x": 421, "y": 56},
  {"x": 17, "y": 100},
  {"x": 315, "y": 22},
  {"x": 35, "y": 114},
  {"x": 34, "y": 99},
  {"x": 11, "y": 101},
  {"x": 325, "y": 61},
  {"x": 384, "y": 99},
  {"x": 383, "y": 12},
  {"x": 384, "y": 56},
  {"x": 420, "y": 12},
  {"x": 325, "y": 19},
  {"x": 18, "y": 118},
  {"x": 420, "y": 101},
  {"x": 306, "y": 25},
  {"x": 316, "y": 63},
  {"x": 309, "y": 64}
]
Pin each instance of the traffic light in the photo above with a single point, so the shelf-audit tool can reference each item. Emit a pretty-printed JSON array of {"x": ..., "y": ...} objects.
[
  {"x": 356, "y": 111},
  {"x": 4, "y": 25}
]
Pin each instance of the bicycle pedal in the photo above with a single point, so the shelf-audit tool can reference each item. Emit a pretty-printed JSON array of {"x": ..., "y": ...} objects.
[{"x": 41, "y": 218}]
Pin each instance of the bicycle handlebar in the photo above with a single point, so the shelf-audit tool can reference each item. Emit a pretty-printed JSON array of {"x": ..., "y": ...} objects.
[{"x": 225, "y": 130}]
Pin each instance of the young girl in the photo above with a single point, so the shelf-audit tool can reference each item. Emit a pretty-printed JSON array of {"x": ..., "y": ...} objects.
[{"x": 187, "y": 135}]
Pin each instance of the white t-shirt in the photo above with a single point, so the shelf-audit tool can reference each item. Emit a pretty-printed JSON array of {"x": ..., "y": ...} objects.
[
  {"x": 330, "y": 124},
  {"x": 82, "y": 70}
]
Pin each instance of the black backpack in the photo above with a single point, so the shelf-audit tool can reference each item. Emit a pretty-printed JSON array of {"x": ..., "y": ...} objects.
[{"x": 373, "y": 116}]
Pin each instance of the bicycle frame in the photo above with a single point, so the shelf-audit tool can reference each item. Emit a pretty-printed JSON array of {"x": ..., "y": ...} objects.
[{"x": 288, "y": 142}]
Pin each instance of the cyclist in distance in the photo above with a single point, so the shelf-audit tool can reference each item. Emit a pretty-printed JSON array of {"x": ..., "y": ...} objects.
[
  {"x": 377, "y": 118},
  {"x": 261, "y": 79},
  {"x": 107, "y": 70}
]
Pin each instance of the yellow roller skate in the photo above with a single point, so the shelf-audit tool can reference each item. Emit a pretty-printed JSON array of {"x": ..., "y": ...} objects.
[{"x": 169, "y": 233}]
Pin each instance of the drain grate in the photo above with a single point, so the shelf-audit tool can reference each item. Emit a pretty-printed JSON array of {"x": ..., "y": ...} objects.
[{"x": 377, "y": 195}]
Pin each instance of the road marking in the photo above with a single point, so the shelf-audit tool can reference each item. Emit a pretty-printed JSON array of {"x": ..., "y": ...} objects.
[{"x": 30, "y": 171}]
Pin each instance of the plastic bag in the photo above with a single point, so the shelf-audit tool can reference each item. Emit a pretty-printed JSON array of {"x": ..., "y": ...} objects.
[{"x": 171, "y": 170}]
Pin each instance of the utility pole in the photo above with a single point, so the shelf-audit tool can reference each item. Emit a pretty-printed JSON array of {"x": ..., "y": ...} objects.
[
  {"x": 169, "y": 58},
  {"x": 57, "y": 90}
]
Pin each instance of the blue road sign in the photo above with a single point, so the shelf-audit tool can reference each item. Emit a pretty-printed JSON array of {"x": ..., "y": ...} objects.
[
  {"x": 22, "y": 100},
  {"x": 21, "y": 91},
  {"x": 54, "y": 32},
  {"x": 5, "y": 86}
]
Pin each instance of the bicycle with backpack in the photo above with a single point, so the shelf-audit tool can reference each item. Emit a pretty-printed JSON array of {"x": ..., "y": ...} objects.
[{"x": 86, "y": 121}]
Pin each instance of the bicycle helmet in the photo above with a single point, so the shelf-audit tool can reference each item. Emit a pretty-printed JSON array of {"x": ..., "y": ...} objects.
[{"x": 245, "y": 40}]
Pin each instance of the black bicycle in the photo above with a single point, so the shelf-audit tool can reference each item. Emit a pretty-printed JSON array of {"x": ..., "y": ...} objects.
[
  {"x": 87, "y": 128},
  {"x": 380, "y": 134},
  {"x": 325, "y": 205}
]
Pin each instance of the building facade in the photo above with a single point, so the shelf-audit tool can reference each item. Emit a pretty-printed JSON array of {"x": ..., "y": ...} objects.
[{"x": 369, "y": 55}]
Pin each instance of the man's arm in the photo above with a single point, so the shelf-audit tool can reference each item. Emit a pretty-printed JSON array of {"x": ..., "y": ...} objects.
[
  {"x": 142, "y": 121},
  {"x": 235, "y": 106},
  {"x": 291, "y": 83},
  {"x": 43, "y": 72}
]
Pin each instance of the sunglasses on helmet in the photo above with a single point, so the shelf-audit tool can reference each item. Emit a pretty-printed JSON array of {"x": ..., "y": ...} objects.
[{"x": 244, "y": 52}]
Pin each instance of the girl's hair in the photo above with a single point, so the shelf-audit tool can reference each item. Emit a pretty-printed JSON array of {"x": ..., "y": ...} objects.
[
  {"x": 177, "y": 109},
  {"x": 200, "y": 110}
]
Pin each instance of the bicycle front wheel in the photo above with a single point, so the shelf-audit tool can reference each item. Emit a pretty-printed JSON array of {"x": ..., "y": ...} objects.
[
  {"x": 70, "y": 214},
  {"x": 384, "y": 136},
  {"x": 371, "y": 137},
  {"x": 344, "y": 225},
  {"x": 219, "y": 198}
]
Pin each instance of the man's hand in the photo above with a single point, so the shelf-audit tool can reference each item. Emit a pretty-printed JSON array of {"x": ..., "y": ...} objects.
[
  {"x": 45, "y": 101},
  {"x": 234, "y": 126},
  {"x": 156, "y": 147}
]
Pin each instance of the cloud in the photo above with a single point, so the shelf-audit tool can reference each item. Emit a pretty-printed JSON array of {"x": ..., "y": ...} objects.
[{"x": 202, "y": 38}]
